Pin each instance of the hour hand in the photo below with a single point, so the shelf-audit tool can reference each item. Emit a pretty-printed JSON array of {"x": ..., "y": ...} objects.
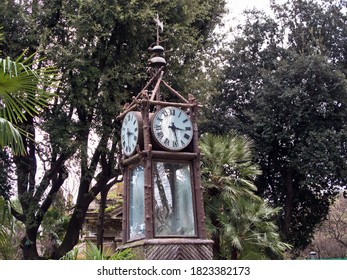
[
  {"x": 173, "y": 127},
  {"x": 129, "y": 133}
]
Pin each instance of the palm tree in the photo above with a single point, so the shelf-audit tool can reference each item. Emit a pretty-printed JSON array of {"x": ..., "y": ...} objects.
[
  {"x": 22, "y": 92},
  {"x": 227, "y": 166},
  {"x": 238, "y": 220},
  {"x": 249, "y": 231}
]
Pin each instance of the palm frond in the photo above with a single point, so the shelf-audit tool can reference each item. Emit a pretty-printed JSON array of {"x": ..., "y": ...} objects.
[
  {"x": 22, "y": 88},
  {"x": 92, "y": 252},
  {"x": 11, "y": 136},
  {"x": 71, "y": 255}
]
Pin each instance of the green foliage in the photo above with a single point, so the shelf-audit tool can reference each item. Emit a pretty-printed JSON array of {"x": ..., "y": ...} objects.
[
  {"x": 6, "y": 230},
  {"x": 10, "y": 136},
  {"x": 227, "y": 166},
  {"x": 285, "y": 87},
  {"x": 249, "y": 230},
  {"x": 54, "y": 225},
  {"x": 93, "y": 253},
  {"x": 71, "y": 255},
  {"x": 22, "y": 92},
  {"x": 21, "y": 87},
  {"x": 241, "y": 225},
  {"x": 99, "y": 50},
  {"x": 6, "y": 171},
  {"x": 55, "y": 218}
]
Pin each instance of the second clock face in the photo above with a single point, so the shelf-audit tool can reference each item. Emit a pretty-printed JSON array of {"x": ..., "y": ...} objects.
[
  {"x": 172, "y": 128},
  {"x": 130, "y": 133}
]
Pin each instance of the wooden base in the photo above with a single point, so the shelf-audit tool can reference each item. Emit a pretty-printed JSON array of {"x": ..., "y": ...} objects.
[{"x": 171, "y": 249}]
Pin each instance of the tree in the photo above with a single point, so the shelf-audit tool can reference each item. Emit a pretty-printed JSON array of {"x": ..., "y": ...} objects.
[
  {"x": 227, "y": 174},
  {"x": 330, "y": 237},
  {"x": 22, "y": 94},
  {"x": 98, "y": 47},
  {"x": 240, "y": 223},
  {"x": 249, "y": 231},
  {"x": 285, "y": 87}
]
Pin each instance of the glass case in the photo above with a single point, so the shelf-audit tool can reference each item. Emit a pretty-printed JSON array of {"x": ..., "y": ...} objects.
[
  {"x": 136, "y": 204},
  {"x": 173, "y": 199}
]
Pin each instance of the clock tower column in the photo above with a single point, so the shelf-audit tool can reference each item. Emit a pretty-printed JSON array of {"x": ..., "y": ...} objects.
[{"x": 163, "y": 211}]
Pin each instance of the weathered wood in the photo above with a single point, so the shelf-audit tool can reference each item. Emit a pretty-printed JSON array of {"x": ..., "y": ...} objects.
[
  {"x": 174, "y": 104},
  {"x": 173, "y": 155},
  {"x": 156, "y": 91},
  {"x": 171, "y": 249}
]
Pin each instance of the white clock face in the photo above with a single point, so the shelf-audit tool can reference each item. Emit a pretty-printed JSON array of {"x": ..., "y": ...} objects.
[
  {"x": 172, "y": 128},
  {"x": 129, "y": 133}
]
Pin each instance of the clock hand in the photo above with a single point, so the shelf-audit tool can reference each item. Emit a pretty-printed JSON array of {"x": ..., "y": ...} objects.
[
  {"x": 173, "y": 127},
  {"x": 128, "y": 136}
]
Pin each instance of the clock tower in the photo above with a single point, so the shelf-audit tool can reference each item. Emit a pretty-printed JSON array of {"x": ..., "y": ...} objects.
[{"x": 163, "y": 211}]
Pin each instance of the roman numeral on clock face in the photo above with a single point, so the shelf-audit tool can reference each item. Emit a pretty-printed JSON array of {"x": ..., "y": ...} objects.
[
  {"x": 166, "y": 142},
  {"x": 172, "y": 128},
  {"x": 130, "y": 133}
]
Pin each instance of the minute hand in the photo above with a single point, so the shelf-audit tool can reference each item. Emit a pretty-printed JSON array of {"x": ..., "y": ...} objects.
[{"x": 178, "y": 128}]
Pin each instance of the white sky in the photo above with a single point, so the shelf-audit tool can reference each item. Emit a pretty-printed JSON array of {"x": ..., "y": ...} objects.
[{"x": 236, "y": 7}]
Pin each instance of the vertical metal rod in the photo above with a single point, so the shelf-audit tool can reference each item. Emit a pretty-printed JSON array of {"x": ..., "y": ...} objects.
[
  {"x": 197, "y": 176},
  {"x": 148, "y": 188}
]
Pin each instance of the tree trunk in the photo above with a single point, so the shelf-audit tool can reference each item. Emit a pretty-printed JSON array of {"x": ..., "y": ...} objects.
[
  {"x": 288, "y": 201},
  {"x": 100, "y": 226},
  {"x": 216, "y": 246},
  {"x": 28, "y": 245},
  {"x": 234, "y": 254}
]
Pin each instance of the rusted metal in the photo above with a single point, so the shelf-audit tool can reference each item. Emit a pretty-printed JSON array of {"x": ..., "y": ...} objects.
[
  {"x": 165, "y": 103},
  {"x": 148, "y": 154},
  {"x": 156, "y": 92},
  {"x": 196, "y": 172},
  {"x": 133, "y": 105},
  {"x": 174, "y": 156}
]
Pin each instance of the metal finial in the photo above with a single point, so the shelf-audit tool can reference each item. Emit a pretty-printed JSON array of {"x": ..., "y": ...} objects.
[
  {"x": 160, "y": 25},
  {"x": 157, "y": 59}
]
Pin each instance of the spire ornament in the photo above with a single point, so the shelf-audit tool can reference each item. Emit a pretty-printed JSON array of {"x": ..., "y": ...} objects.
[
  {"x": 160, "y": 25},
  {"x": 157, "y": 59}
]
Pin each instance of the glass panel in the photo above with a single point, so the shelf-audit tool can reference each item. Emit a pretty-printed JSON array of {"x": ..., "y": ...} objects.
[
  {"x": 173, "y": 200},
  {"x": 137, "y": 204}
]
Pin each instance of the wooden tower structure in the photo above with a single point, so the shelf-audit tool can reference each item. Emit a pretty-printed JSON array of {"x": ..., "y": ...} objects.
[{"x": 163, "y": 211}]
